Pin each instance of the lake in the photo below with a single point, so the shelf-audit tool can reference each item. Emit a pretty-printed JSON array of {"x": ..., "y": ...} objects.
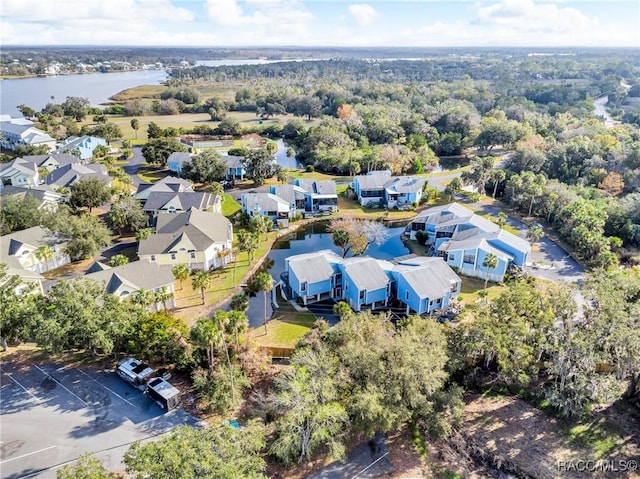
[
  {"x": 314, "y": 237},
  {"x": 97, "y": 87}
]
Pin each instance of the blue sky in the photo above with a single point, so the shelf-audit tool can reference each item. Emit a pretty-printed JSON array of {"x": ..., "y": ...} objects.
[{"x": 321, "y": 23}]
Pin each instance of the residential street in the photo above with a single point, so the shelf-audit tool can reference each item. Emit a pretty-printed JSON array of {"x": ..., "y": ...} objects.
[{"x": 134, "y": 164}]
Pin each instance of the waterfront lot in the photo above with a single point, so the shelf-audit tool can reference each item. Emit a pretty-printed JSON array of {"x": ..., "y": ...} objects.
[{"x": 51, "y": 415}]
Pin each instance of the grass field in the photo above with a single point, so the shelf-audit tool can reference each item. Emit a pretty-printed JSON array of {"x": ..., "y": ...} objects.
[
  {"x": 151, "y": 174},
  {"x": 230, "y": 206}
]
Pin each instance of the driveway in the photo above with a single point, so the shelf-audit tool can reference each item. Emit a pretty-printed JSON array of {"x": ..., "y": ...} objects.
[
  {"x": 51, "y": 415},
  {"x": 134, "y": 164}
]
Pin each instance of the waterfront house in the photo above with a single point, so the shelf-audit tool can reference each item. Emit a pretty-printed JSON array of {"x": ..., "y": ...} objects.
[
  {"x": 19, "y": 172},
  {"x": 67, "y": 175},
  {"x": 369, "y": 188},
  {"x": 82, "y": 147},
  {"x": 314, "y": 276},
  {"x": 168, "y": 184},
  {"x": 176, "y": 161},
  {"x": 320, "y": 196},
  {"x": 198, "y": 239},
  {"x": 366, "y": 285},
  {"x": 16, "y": 132},
  {"x": 267, "y": 204},
  {"x": 125, "y": 280},
  {"x": 379, "y": 188},
  {"x": 292, "y": 194}
]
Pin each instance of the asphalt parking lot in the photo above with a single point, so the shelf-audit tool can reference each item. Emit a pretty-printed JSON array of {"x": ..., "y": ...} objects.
[{"x": 51, "y": 415}]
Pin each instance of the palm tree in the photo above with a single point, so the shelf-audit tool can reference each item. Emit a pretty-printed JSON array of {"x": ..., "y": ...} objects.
[
  {"x": 490, "y": 262},
  {"x": 264, "y": 282},
  {"x": 135, "y": 124},
  {"x": 215, "y": 188},
  {"x": 502, "y": 219},
  {"x": 252, "y": 245},
  {"x": 163, "y": 296},
  {"x": 221, "y": 320},
  {"x": 341, "y": 239},
  {"x": 206, "y": 335},
  {"x": 497, "y": 176},
  {"x": 239, "y": 302},
  {"x": 180, "y": 272},
  {"x": 118, "y": 260},
  {"x": 201, "y": 280},
  {"x": 143, "y": 297},
  {"x": 535, "y": 233},
  {"x": 243, "y": 242},
  {"x": 258, "y": 225},
  {"x": 46, "y": 254},
  {"x": 238, "y": 323}
]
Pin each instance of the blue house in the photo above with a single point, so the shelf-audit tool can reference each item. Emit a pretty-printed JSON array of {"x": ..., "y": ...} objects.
[
  {"x": 235, "y": 170},
  {"x": 176, "y": 160},
  {"x": 81, "y": 147},
  {"x": 314, "y": 276},
  {"x": 379, "y": 188},
  {"x": 464, "y": 239},
  {"x": 366, "y": 285},
  {"x": 424, "y": 285},
  {"x": 292, "y": 194},
  {"x": 320, "y": 196}
]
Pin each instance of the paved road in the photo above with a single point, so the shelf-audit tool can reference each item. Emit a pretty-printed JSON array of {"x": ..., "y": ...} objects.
[
  {"x": 51, "y": 415},
  {"x": 135, "y": 162}
]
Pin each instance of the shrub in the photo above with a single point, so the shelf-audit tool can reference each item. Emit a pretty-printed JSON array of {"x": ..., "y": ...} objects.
[
  {"x": 421, "y": 237},
  {"x": 310, "y": 169}
]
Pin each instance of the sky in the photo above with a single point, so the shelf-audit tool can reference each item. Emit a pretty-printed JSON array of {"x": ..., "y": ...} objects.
[{"x": 264, "y": 23}]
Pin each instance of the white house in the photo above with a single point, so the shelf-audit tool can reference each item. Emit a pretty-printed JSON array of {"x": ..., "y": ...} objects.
[{"x": 15, "y": 132}]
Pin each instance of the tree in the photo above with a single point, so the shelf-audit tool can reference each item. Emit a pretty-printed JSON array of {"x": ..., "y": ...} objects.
[
  {"x": 453, "y": 188},
  {"x": 490, "y": 262},
  {"x": 19, "y": 213},
  {"x": 217, "y": 452},
  {"x": 135, "y": 124},
  {"x": 26, "y": 111},
  {"x": 180, "y": 272},
  {"x": 154, "y": 131},
  {"x": 216, "y": 188},
  {"x": 248, "y": 241},
  {"x": 118, "y": 260},
  {"x": 497, "y": 175},
  {"x": 163, "y": 296},
  {"x": 205, "y": 167},
  {"x": 535, "y": 233},
  {"x": 354, "y": 236},
  {"x": 263, "y": 282},
  {"x": 157, "y": 336},
  {"x": 108, "y": 131},
  {"x": 89, "y": 193},
  {"x": 238, "y": 321},
  {"x": 239, "y": 302},
  {"x": 127, "y": 213},
  {"x": 479, "y": 173},
  {"x": 259, "y": 165},
  {"x": 143, "y": 297},
  {"x": 101, "y": 151},
  {"x": 86, "y": 467},
  {"x": 143, "y": 234},
  {"x": 76, "y": 107},
  {"x": 201, "y": 280},
  {"x": 87, "y": 235},
  {"x": 281, "y": 174},
  {"x": 342, "y": 309},
  {"x": 501, "y": 219},
  {"x": 261, "y": 224},
  {"x": 158, "y": 150},
  {"x": 612, "y": 184},
  {"x": 17, "y": 308}
]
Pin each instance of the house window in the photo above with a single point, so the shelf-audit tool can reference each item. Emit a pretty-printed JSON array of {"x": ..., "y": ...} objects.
[
  {"x": 451, "y": 257},
  {"x": 362, "y": 294},
  {"x": 193, "y": 256},
  {"x": 153, "y": 258},
  {"x": 173, "y": 256},
  {"x": 171, "y": 209},
  {"x": 469, "y": 258},
  {"x": 406, "y": 296},
  {"x": 303, "y": 286}
]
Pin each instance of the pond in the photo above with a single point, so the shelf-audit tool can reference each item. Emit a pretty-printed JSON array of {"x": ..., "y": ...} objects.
[{"x": 315, "y": 237}]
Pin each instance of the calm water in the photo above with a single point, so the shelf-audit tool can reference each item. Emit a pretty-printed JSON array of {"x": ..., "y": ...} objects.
[
  {"x": 315, "y": 238},
  {"x": 97, "y": 87},
  {"x": 282, "y": 159}
]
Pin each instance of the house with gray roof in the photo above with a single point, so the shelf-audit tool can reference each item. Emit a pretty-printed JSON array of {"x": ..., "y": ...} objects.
[
  {"x": 292, "y": 194},
  {"x": 176, "y": 160},
  {"x": 18, "y": 250},
  {"x": 19, "y": 172},
  {"x": 465, "y": 239},
  {"x": 180, "y": 201},
  {"x": 379, "y": 188},
  {"x": 16, "y": 132},
  {"x": 48, "y": 199},
  {"x": 82, "y": 147},
  {"x": 125, "y": 280},
  {"x": 52, "y": 161},
  {"x": 267, "y": 204},
  {"x": 235, "y": 167},
  {"x": 423, "y": 285},
  {"x": 320, "y": 196},
  {"x": 168, "y": 184},
  {"x": 67, "y": 175},
  {"x": 198, "y": 239}
]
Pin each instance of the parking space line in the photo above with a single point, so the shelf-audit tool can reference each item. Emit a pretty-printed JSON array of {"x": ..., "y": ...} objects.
[
  {"x": 62, "y": 385},
  {"x": 21, "y": 386},
  {"x": 110, "y": 390},
  {"x": 27, "y": 454}
]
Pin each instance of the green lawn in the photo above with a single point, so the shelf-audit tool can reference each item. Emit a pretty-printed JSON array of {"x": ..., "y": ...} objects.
[
  {"x": 229, "y": 206},
  {"x": 472, "y": 289},
  {"x": 284, "y": 331},
  {"x": 151, "y": 174}
]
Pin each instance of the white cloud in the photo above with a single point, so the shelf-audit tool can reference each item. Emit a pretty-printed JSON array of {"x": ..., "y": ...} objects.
[{"x": 363, "y": 13}]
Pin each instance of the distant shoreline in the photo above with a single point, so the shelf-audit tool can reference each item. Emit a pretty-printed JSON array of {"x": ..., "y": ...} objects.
[{"x": 25, "y": 77}]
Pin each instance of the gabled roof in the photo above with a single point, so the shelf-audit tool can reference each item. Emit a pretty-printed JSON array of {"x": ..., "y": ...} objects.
[
  {"x": 431, "y": 278},
  {"x": 232, "y": 161},
  {"x": 264, "y": 202},
  {"x": 31, "y": 237},
  {"x": 314, "y": 267},
  {"x": 85, "y": 141},
  {"x": 201, "y": 228},
  {"x": 443, "y": 213},
  {"x": 374, "y": 180},
  {"x": 136, "y": 275},
  {"x": 166, "y": 184},
  {"x": 40, "y": 192},
  {"x": 183, "y": 201},
  {"x": 477, "y": 242},
  {"x": 18, "y": 165},
  {"x": 179, "y": 157},
  {"x": 404, "y": 184},
  {"x": 97, "y": 266},
  {"x": 66, "y": 175},
  {"x": 289, "y": 193},
  {"x": 510, "y": 239},
  {"x": 61, "y": 159},
  {"x": 366, "y": 273}
]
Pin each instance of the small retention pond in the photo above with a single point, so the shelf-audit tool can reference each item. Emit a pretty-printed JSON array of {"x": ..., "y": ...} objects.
[{"x": 315, "y": 237}]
